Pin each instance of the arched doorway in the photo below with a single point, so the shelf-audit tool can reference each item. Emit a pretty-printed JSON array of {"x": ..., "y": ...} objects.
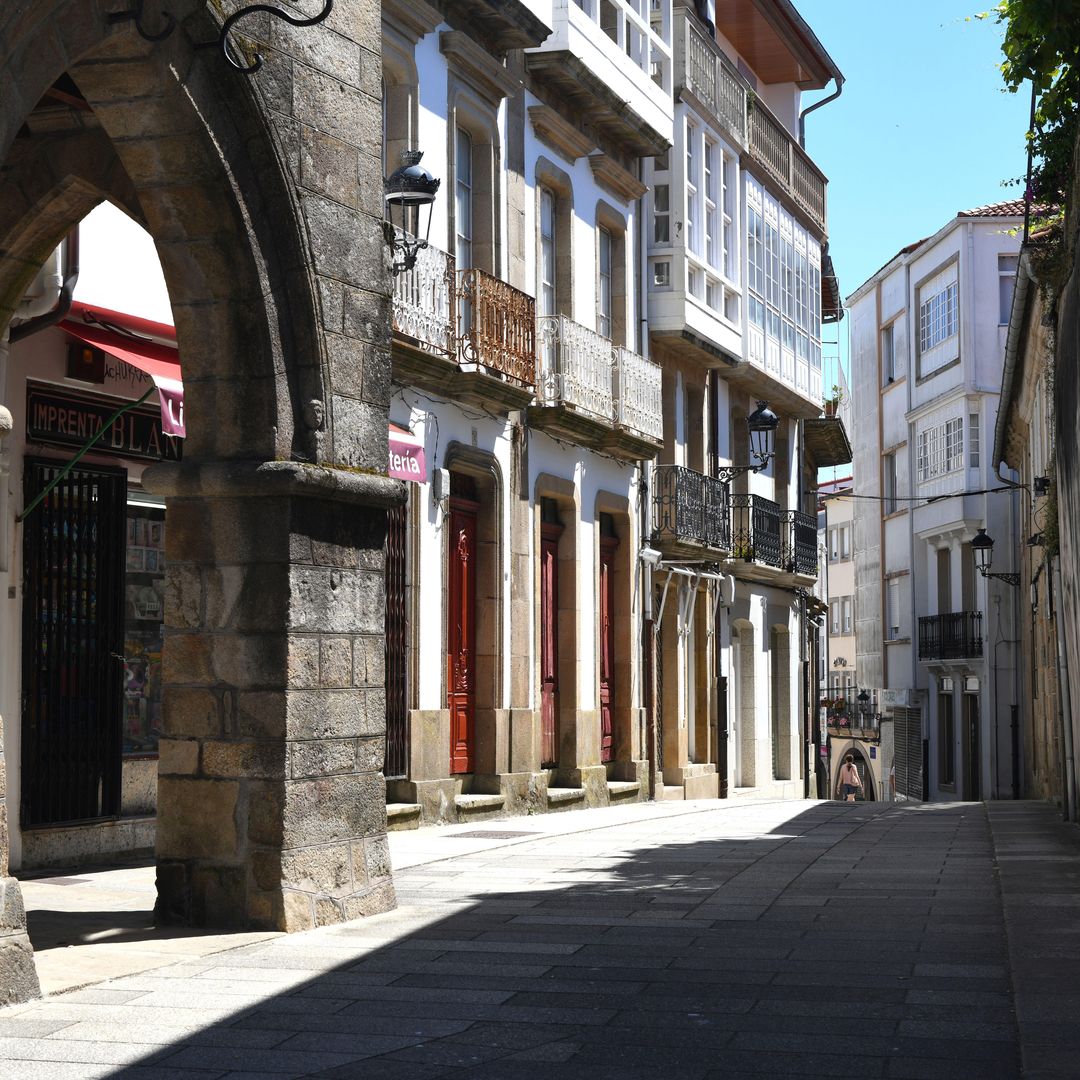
[
  {"x": 866, "y": 773},
  {"x": 280, "y": 288}
]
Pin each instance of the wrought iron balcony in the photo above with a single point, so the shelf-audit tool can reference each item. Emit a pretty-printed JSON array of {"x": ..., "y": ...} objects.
[
  {"x": 690, "y": 508},
  {"x": 757, "y": 533},
  {"x": 802, "y": 554},
  {"x": 496, "y": 327},
  {"x": 639, "y": 408},
  {"x": 786, "y": 162},
  {"x": 576, "y": 368},
  {"x": 955, "y": 636},
  {"x": 423, "y": 302},
  {"x": 846, "y": 716},
  {"x": 596, "y": 394}
]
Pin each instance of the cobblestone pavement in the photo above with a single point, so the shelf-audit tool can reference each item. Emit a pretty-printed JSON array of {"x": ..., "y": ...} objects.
[{"x": 689, "y": 940}]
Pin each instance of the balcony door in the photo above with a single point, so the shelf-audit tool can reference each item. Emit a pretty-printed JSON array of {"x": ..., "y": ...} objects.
[
  {"x": 461, "y": 623},
  {"x": 972, "y": 785},
  {"x": 551, "y": 531},
  {"x": 609, "y": 544}
]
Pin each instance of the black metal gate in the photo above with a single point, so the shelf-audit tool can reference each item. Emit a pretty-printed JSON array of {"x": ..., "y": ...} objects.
[
  {"x": 73, "y": 633},
  {"x": 397, "y": 646}
]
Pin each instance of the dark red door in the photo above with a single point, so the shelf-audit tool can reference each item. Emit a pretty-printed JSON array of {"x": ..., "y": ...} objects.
[
  {"x": 608, "y": 546},
  {"x": 549, "y": 642},
  {"x": 461, "y": 634}
]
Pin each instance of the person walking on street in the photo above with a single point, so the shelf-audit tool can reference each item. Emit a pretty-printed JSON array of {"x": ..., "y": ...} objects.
[{"x": 849, "y": 781}]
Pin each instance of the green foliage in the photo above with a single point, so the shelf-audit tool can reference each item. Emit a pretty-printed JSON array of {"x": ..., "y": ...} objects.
[{"x": 1042, "y": 46}]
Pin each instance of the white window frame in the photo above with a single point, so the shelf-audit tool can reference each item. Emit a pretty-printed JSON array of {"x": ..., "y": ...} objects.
[{"x": 545, "y": 270}]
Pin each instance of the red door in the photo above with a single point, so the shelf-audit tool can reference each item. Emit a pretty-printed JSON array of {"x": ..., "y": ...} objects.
[
  {"x": 549, "y": 642},
  {"x": 608, "y": 545},
  {"x": 461, "y": 634}
]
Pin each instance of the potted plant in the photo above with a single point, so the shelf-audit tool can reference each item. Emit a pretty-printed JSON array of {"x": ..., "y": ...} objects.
[{"x": 832, "y": 403}]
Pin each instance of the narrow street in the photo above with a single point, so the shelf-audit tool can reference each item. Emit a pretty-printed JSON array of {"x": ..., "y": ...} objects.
[{"x": 683, "y": 939}]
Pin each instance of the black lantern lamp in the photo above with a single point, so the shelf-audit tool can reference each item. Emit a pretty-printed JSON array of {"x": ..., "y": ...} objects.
[
  {"x": 863, "y": 698},
  {"x": 983, "y": 547},
  {"x": 409, "y": 192},
  {"x": 762, "y": 424}
]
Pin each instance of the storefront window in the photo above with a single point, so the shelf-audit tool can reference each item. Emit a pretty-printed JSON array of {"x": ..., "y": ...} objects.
[{"x": 144, "y": 604}]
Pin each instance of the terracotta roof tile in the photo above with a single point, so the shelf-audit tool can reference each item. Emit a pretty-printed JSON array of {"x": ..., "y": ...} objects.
[{"x": 1010, "y": 208}]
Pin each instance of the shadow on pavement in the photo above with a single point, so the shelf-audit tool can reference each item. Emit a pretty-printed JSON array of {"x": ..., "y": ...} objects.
[{"x": 846, "y": 940}]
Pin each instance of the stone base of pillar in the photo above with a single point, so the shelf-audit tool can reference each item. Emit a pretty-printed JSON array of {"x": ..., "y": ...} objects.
[{"x": 18, "y": 976}]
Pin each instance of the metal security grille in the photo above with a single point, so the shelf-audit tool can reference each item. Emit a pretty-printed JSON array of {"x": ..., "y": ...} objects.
[
  {"x": 907, "y": 731},
  {"x": 73, "y": 633},
  {"x": 397, "y": 642}
]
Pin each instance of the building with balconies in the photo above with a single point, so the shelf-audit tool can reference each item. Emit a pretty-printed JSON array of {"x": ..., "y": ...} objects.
[
  {"x": 927, "y": 336},
  {"x": 739, "y": 285},
  {"x": 524, "y": 404}
]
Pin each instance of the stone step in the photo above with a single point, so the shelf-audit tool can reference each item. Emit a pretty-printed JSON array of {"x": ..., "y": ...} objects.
[
  {"x": 671, "y": 792},
  {"x": 623, "y": 790},
  {"x": 564, "y": 796},
  {"x": 473, "y": 806},
  {"x": 402, "y": 815}
]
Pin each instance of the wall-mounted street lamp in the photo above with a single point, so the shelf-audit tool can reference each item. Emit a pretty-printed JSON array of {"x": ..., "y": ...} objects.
[
  {"x": 863, "y": 698},
  {"x": 983, "y": 547},
  {"x": 409, "y": 194},
  {"x": 761, "y": 424}
]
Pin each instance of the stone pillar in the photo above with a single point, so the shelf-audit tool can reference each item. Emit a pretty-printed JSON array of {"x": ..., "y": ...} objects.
[
  {"x": 18, "y": 977},
  {"x": 271, "y": 800}
]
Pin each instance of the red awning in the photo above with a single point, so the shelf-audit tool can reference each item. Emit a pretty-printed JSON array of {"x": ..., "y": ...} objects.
[
  {"x": 158, "y": 361},
  {"x": 406, "y": 455}
]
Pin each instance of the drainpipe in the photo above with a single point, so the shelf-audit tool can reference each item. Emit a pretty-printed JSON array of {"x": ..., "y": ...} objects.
[
  {"x": 63, "y": 300},
  {"x": 839, "y": 80}
]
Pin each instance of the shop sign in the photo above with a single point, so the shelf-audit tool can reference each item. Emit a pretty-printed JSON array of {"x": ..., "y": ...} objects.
[{"x": 61, "y": 417}]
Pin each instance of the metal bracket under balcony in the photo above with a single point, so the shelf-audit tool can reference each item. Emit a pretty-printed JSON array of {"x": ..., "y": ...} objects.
[
  {"x": 690, "y": 512},
  {"x": 953, "y": 636}
]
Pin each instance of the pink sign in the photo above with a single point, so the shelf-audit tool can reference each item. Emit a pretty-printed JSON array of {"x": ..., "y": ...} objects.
[{"x": 406, "y": 456}]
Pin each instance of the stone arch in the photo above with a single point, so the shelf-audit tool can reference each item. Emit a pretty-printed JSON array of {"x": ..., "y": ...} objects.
[
  {"x": 862, "y": 763},
  {"x": 262, "y": 196}
]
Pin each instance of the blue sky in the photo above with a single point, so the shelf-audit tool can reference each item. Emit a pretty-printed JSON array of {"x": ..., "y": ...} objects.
[{"x": 923, "y": 128}]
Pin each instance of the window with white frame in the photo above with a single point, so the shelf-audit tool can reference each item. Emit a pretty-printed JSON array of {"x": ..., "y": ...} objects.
[
  {"x": 546, "y": 293},
  {"x": 938, "y": 318},
  {"x": 890, "y": 503},
  {"x": 693, "y": 195},
  {"x": 463, "y": 200},
  {"x": 1007, "y": 265},
  {"x": 973, "y": 440},
  {"x": 603, "y": 289},
  {"x": 839, "y": 543},
  {"x": 938, "y": 330},
  {"x": 892, "y": 609},
  {"x": 888, "y": 353},
  {"x": 661, "y": 199},
  {"x": 941, "y": 449},
  {"x": 847, "y": 614},
  {"x": 834, "y": 616},
  {"x": 784, "y": 286}
]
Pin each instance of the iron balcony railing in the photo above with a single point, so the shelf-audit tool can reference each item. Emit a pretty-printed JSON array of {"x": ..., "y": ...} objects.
[
  {"x": 786, "y": 162},
  {"x": 582, "y": 370},
  {"x": 496, "y": 326},
  {"x": 846, "y": 715},
  {"x": 955, "y": 636},
  {"x": 757, "y": 530},
  {"x": 423, "y": 305},
  {"x": 690, "y": 507},
  {"x": 576, "y": 367},
  {"x": 802, "y": 554},
  {"x": 638, "y": 405},
  {"x": 704, "y": 71}
]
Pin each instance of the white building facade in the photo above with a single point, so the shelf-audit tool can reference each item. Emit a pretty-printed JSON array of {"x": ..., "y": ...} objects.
[{"x": 927, "y": 337}]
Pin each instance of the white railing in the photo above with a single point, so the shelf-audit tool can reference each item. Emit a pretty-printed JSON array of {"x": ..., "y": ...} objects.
[
  {"x": 576, "y": 366},
  {"x": 424, "y": 301},
  {"x": 711, "y": 77},
  {"x": 639, "y": 394}
]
